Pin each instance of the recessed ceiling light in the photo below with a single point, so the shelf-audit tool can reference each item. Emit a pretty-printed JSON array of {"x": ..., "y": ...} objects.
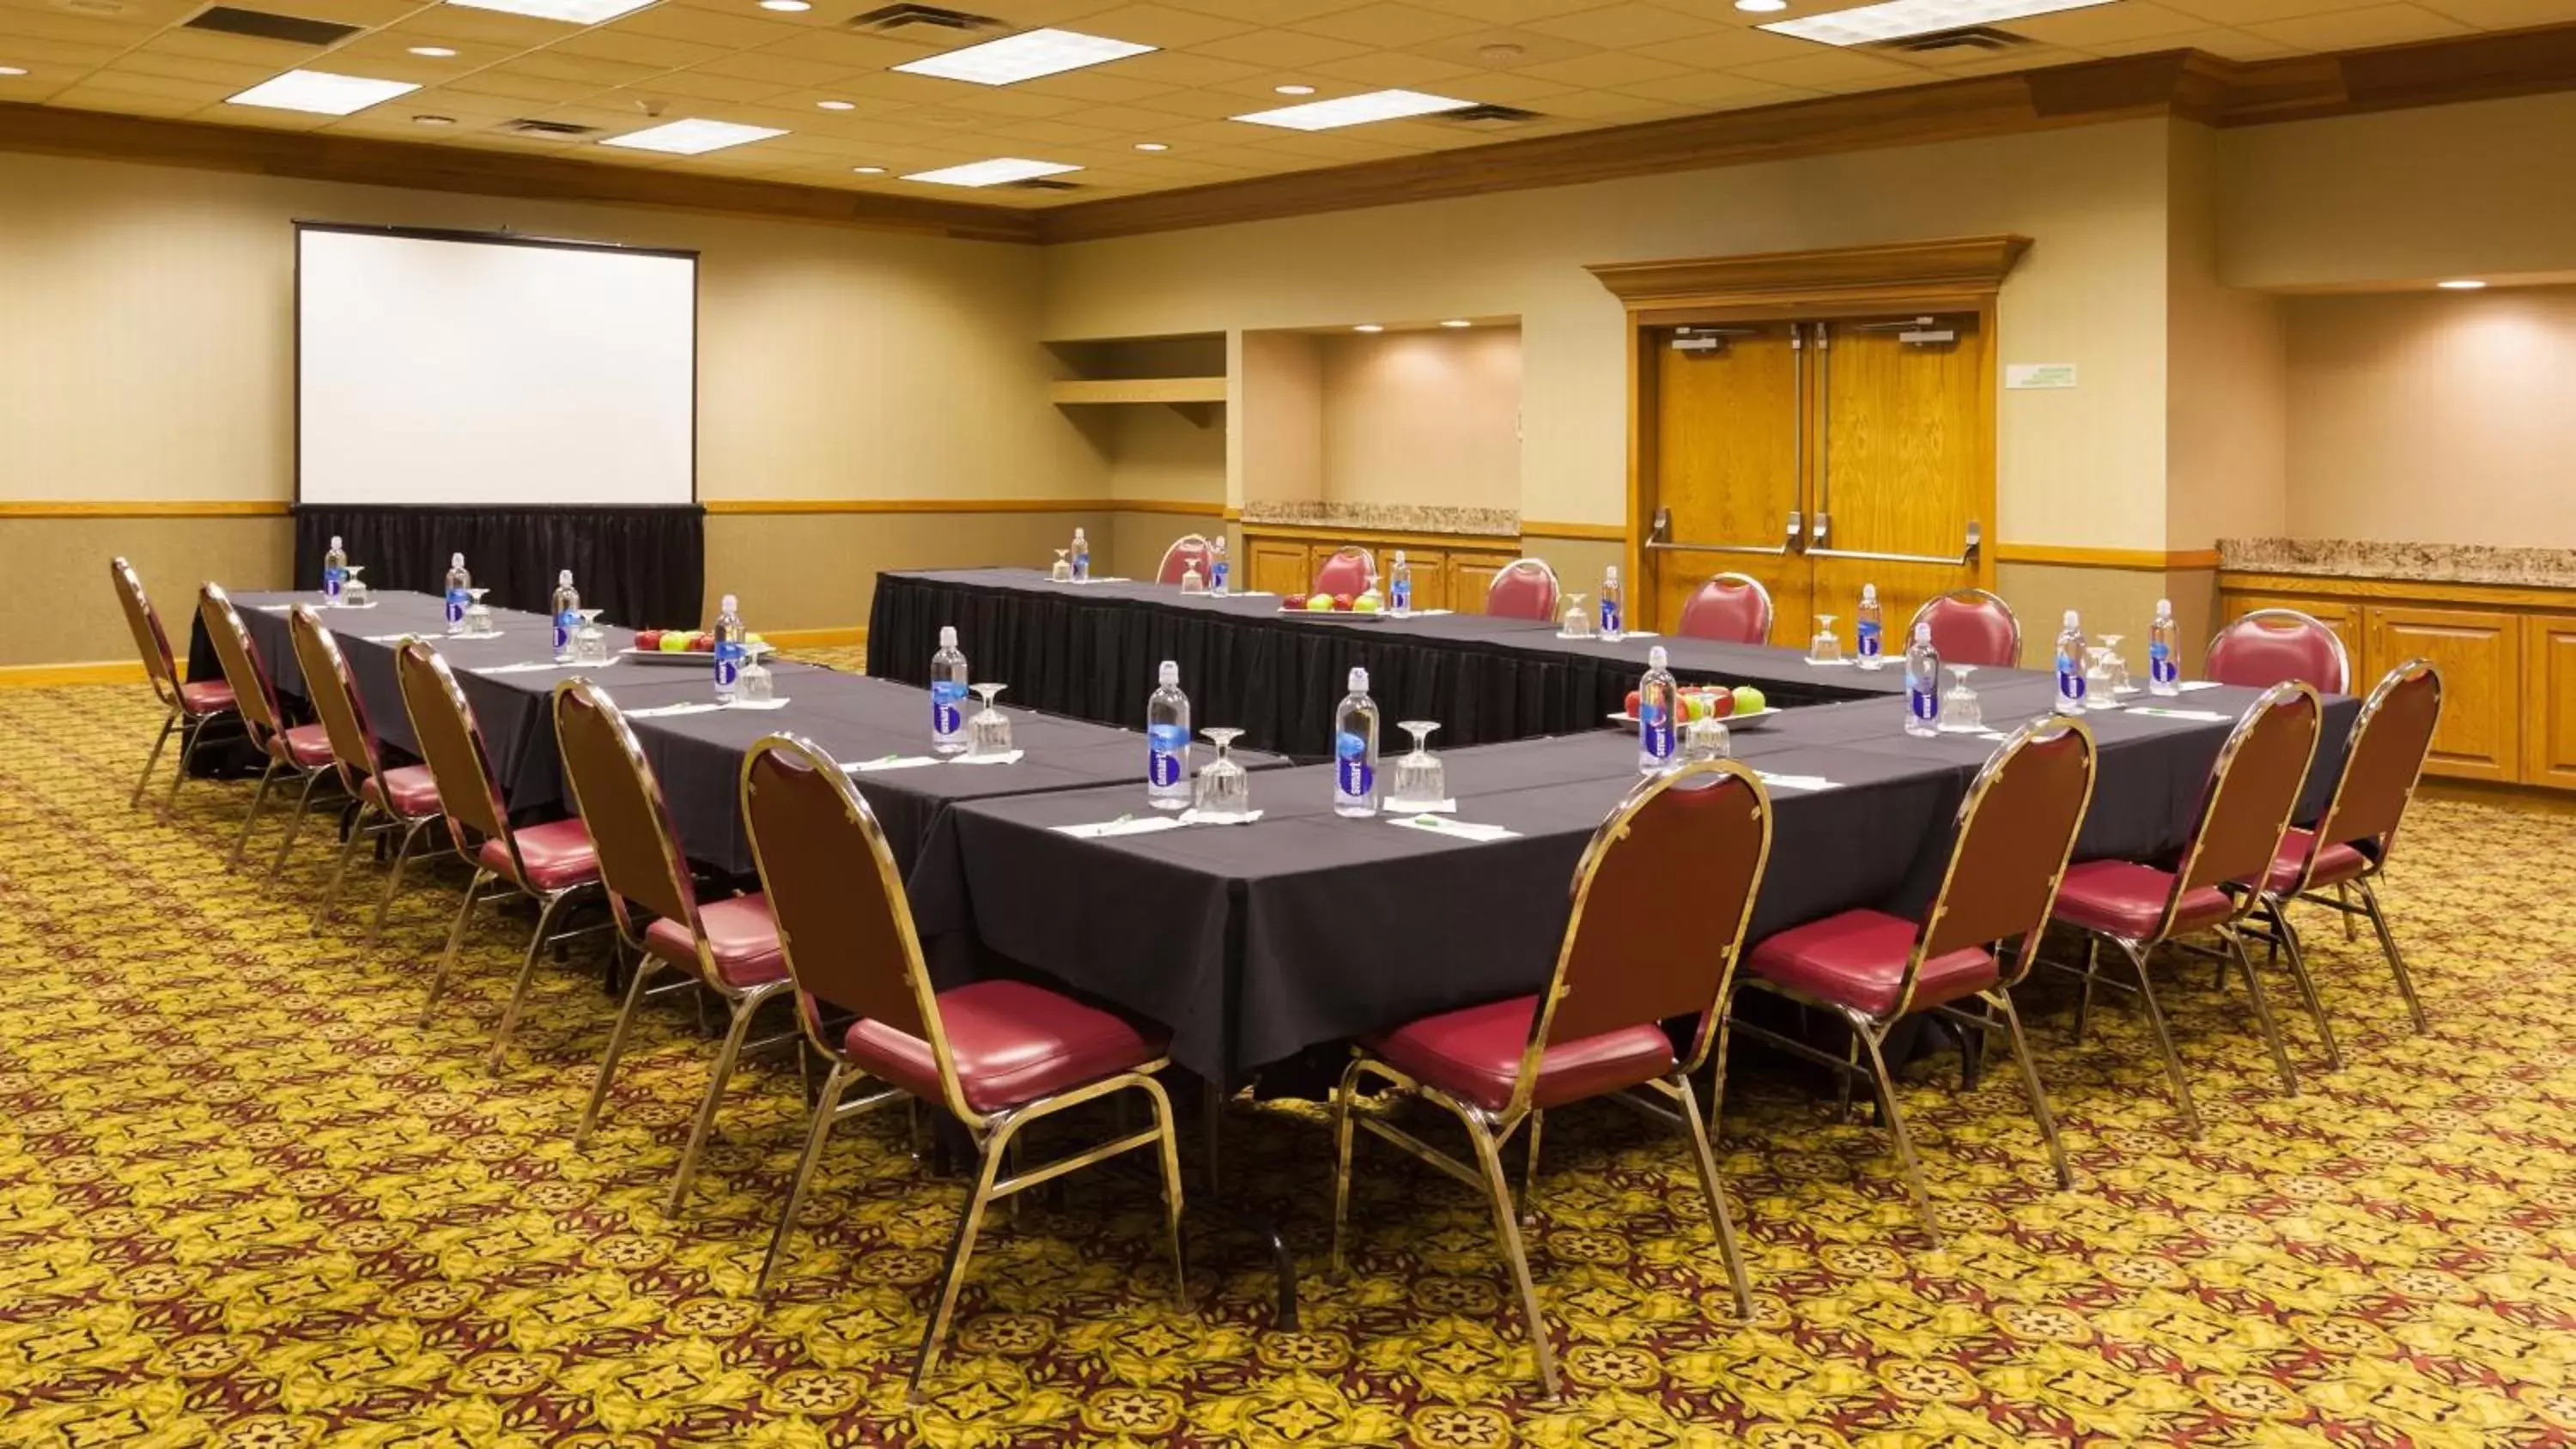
[
  {"x": 1025, "y": 56},
  {"x": 433, "y": 120},
  {"x": 1152, "y": 146},
  {"x": 321, "y": 92},
  {"x": 434, "y": 52},
  {"x": 1294, "y": 90},
  {"x": 1354, "y": 110},
  {"x": 1896, "y": 19},
  {"x": 790, "y": 6},
  {"x": 1762, "y": 7},
  {"x": 2464, "y": 284},
  {"x": 992, "y": 173},
  {"x": 838, "y": 105},
  {"x": 1457, "y": 322},
  {"x": 868, "y": 170},
  {"x": 692, "y": 137},
  {"x": 1369, "y": 327},
  {"x": 576, "y": 12}
]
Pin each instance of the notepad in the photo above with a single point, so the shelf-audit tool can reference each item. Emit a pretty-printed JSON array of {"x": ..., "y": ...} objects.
[
  {"x": 665, "y": 711},
  {"x": 774, "y": 702},
  {"x": 890, "y": 762},
  {"x": 1123, "y": 825},
  {"x": 1794, "y": 782},
  {"x": 533, "y": 666},
  {"x": 2207, "y": 716},
  {"x": 1832, "y": 663},
  {"x": 1011, "y": 757},
  {"x": 2187, "y": 686},
  {"x": 1442, "y": 825},
  {"x": 1193, "y": 817}
]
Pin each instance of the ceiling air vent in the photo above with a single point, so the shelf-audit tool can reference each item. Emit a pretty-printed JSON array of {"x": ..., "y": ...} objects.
[
  {"x": 1484, "y": 118},
  {"x": 526, "y": 126},
  {"x": 1966, "y": 37},
  {"x": 260, "y": 25},
  {"x": 895, "y": 19}
]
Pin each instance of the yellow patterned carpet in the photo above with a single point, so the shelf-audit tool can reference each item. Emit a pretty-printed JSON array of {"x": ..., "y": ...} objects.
[{"x": 246, "y": 1199}]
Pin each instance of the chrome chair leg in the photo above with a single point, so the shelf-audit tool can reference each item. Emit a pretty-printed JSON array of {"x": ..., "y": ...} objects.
[
  {"x": 394, "y": 875},
  {"x": 2002, "y": 1002},
  {"x": 636, "y": 990},
  {"x": 826, "y": 1108},
  {"x": 2396, "y": 960},
  {"x": 2343, "y": 893},
  {"x": 359, "y": 831},
  {"x": 527, "y": 975},
  {"x": 1529, "y": 1175},
  {"x": 1507, "y": 1226},
  {"x": 295, "y": 822},
  {"x": 2263, "y": 1019},
  {"x": 2286, "y": 937},
  {"x": 168, "y": 723},
  {"x": 1343, "y": 1098},
  {"x": 2164, "y": 1039},
  {"x": 258, "y": 801},
  {"x": 1704, "y": 1158},
  {"x": 1896, "y": 1129},
  {"x": 1171, "y": 1154},
  {"x": 190, "y": 736},
  {"x": 745, "y": 1007},
  {"x": 455, "y": 942},
  {"x": 2084, "y": 999},
  {"x": 960, "y": 1249}
]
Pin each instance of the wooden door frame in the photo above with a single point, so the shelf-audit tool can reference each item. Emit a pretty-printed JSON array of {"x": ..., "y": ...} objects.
[{"x": 1954, "y": 274}]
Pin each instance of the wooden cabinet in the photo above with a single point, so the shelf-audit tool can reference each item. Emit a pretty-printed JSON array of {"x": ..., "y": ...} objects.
[
  {"x": 2343, "y": 616},
  {"x": 1469, "y": 574},
  {"x": 2549, "y": 686},
  {"x": 1449, "y": 572},
  {"x": 1278, "y": 567},
  {"x": 2479, "y": 653}
]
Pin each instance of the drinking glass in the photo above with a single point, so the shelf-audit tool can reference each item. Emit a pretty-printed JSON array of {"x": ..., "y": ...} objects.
[
  {"x": 1224, "y": 787},
  {"x": 1828, "y": 648},
  {"x": 353, "y": 591},
  {"x": 1578, "y": 620},
  {"x": 1960, "y": 712},
  {"x": 589, "y": 642},
  {"x": 2098, "y": 693},
  {"x": 2119, "y": 667},
  {"x": 755, "y": 685},
  {"x": 989, "y": 732},
  {"x": 1706, "y": 738},
  {"x": 1062, "y": 573},
  {"x": 1192, "y": 581},
  {"x": 1420, "y": 780},
  {"x": 478, "y": 617}
]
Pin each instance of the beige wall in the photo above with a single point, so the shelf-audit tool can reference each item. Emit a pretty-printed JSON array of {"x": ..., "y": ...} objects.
[
  {"x": 60, "y": 564},
  {"x": 1274, "y": 401},
  {"x": 2226, "y": 422},
  {"x": 1424, "y": 417},
  {"x": 2434, "y": 417}
]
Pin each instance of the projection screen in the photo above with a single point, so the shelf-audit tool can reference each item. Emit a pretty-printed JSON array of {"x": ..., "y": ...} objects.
[{"x": 463, "y": 368}]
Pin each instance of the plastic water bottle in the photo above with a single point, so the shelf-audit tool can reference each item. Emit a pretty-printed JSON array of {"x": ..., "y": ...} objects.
[
  {"x": 728, "y": 632},
  {"x": 1081, "y": 558},
  {"x": 1869, "y": 632},
  {"x": 948, "y": 695},
  {"x": 1610, "y": 612},
  {"x": 1399, "y": 587},
  {"x": 1167, "y": 742},
  {"x": 567, "y": 616},
  {"x": 1922, "y": 684},
  {"x": 1355, "y": 750},
  {"x": 1216, "y": 565},
  {"x": 460, "y": 593},
  {"x": 2070, "y": 667},
  {"x": 2164, "y": 661},
  {"x": 335, "y": 570},
  {"x": 1658, "y": 702}
]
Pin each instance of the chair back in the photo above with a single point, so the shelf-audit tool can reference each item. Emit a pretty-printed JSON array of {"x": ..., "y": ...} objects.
[
  {"x": 2016, "y": 829},
  {"x": 1189, "y": 548},
  {"x": 1971, "y": 626},
  {"x": 620, "y": 803},
  {"x": 334, "y": 696},
  {"x": 1662, "y": 897},
  {"x": 1350, "y": 570},
  {"x": 442, "y": 723},
  {"x": 150, "y": 641},
  {"x": 2253, "y": 788},
  {"x": 1734, "y": 608},
  {"x": 2269, "y": 646},
  {"x": 244, "y": 670},
  {"x": 1525, "y": 588},
  {"x": 2390, "y": 742},
  {"x": 844, "y": 925}
]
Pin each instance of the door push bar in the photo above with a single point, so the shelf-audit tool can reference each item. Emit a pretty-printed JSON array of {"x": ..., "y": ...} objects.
[
  {"x": 1967, "y": 556},
  {"x": 1661, "y": 537}
]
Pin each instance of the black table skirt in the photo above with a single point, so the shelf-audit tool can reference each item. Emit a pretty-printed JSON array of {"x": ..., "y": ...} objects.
[{"x": 641, "y": 566}]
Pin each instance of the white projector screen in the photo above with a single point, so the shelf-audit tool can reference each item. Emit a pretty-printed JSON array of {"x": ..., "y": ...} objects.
[{"x": 436, "y": 368}]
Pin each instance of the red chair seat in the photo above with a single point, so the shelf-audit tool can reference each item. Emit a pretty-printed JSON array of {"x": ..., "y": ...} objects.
[
  {"x": 408, "y": 793},
  {"x": 559, "y": 854},
  {"x": 742, "y": 938},
  {"x": 2123, "y": 898},
  {"x": 1474, "y": 1054},
  {"x": 306, "y": 746},
  {"x": 2338, "y": 863},
  {"x": 205, "y": 696},
  {"x": 1857, "y": 959},
  {"x": 1012, "y": 1042}
]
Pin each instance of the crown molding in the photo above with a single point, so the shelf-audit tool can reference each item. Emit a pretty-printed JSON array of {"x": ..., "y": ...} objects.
[{"x": 1966, "y": 267}]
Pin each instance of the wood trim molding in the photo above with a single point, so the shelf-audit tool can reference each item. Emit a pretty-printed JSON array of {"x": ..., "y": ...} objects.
[
  {"x": 143, "y": 508},
  {"x": 782, "y": 506},
  {"x": 1971, "y": 268},
  {"x": 46, "y": 676},
  {"x": 1596, "y": 532},
  {"x": 2343, "y": 586},
  {"x": 2138, "y": 560},
  {"x": 1399, "y": 538},
  {"x": 1186, "y": 507}
]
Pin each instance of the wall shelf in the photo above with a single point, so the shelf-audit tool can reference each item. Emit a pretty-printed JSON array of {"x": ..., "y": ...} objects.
[{"x": 1195, "y": 398}]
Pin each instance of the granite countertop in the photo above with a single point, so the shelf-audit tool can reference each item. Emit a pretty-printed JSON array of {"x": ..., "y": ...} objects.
[
  {"x": 1386, "y": 517},
  {"x": 2447, "y": 563}
]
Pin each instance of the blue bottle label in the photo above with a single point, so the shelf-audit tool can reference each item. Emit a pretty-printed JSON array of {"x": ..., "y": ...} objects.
[
  {"x": 1609, "y": 616},
  {"x": 1165, "y": 744},
  {"x": 1399, "y": 595},
  {"x": 1655, "y": 730},
  {"x": 1354, "y": 775},
  {"x": 1925, "y": 702},
  {"x": 457, "y": 599},
  {"x": 332, "y": 581},
  {"x": 564, "y": 625},
  {"x": 1869, "y": 635},
  {"x": 1216, "y": 576},
  {"x": 2070, "y": 676},
  {"x": 947, "y": 707},
  {"x": 1082, "y": 565},
  {"x": 728, "y": 662},
  {"x": 2161, "y": 666}
]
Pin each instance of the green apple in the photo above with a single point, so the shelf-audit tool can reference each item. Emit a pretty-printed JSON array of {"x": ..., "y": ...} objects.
[
  {"x": 1749, "y": 700},
  {"x": 1368, "y": 603},
  {"x": 675, "y": 641},
  {"x": 1319, "y": 604}
]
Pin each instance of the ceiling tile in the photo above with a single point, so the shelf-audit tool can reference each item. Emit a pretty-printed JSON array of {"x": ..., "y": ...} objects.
[
  {"x": 62, "y": 57},
  {"x": 1395, "y": 69},
  {"x": 2225, "y": 44},
  {"x": 1716, "y": 90},
  {"x": 55, "y": 25},
  {"x": 2505, "y": 14},
  {"x": 1836, "y": 70},
  {"x": 1604, "y": 68},
  {"x": 1625, "y": 25},
  {"x": 768, "y": 65},
  {"x": 1507, "y": 12},
  {"x": 1093, "y": 86},
  {"x": 849, "y": 52},
  {"x": 1180, "y": 68},
  {"x": 1280, "y": 49},
  {"x": 489, "y": 27},
  {"x": 680, "y": 22},
  {"x": 1387, "y": 25},
  {"x": 2355, "y": 29},
  {"x": 1161, "y": 25},
  {"x": 1500, "y": 48},
  {"x": 700, "y": 85},
  {"x": 131, "y": 103},
  {"x": 2128, "y": 20},
  {"x": 1265, "y": 12},
  {"x": 1721, "y": 49},
  {"x": 652, "y": 50},
  {"x": 149, "y": 61},
  {"x": 558, "y": 65},
  {"x": 502, "y": 81}
]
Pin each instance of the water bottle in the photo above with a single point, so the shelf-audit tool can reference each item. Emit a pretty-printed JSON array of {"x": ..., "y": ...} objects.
[
  {"x": 948, "y": 695},
  {"x": 1355, "y": 750},
  {"x": 1658, "y": 700},
  {"x": 1869, "y": 633},
  {"x": 2164, "y": 661},
  {"x": 1610, "y": 629},
  {"x": 1081, "y": 558},
  {"x": 1399, "y": 587},
  {"x": 567, "y": 616},
  {"x": 335, "y": 570},
  {"x": 1922, "y": 684},
  {"x": 460, "y": 593},
  {"x": 1167, "y": 742},
  {"x": 728, "y": 632},
  {"x": 2070, "y": 667},
  {"x": 1216, "y": 565}
]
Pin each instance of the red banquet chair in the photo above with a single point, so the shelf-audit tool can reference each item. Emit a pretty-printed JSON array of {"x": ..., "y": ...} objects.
[
  {"x": 191, "y": 706},
  {"x": 997, "y": 1055},
  {"x": 2217, "y": 882},
  {"x": 729, "y": 946},
  {"x": 301, "y": 752},
  {"x": 1351, "y": 570},
  {"x": 552, "y": 864},
  {"x": 2349, "y": 845},
  {"x": 1971, "y": 626},
  {"x": 403, "y": 799},
  {"x": 1188, "y": 549},
  {"x": 1679, "y": 858},
  {"x": 2269, "y": 646},
  {"x": 1525, "y": 588},
  {"x": 1734, "y": 608},
  {"x": 2014, "y": 833}
]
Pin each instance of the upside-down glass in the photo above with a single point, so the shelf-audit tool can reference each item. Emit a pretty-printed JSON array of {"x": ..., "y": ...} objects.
[
  {"x": 353, "y": 592},
  {"x": 2119, "y": 667},
  {"x": 589, "y": 642},
  {"x": 755, "y": 685},
  {"x": 1192, "y": 581},
  {"x": 1960, "y": 712},
  {"x": 1420, "y": 780},
  {"x": 989, "y": 732},
  {"x": 1062, "y": 573},
  {"x": 1707, "y": 738},
  {"x": 478, "y": 617},
  {"x": 1578, "y": 620},
  {"x": 2098, "y": 693},
  {"x": 1828, "y": 645},
  {"x": 1224, "y": 787}
]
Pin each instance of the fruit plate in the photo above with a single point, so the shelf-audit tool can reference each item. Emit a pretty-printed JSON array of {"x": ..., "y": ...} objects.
[
  {"x": 1371, "y": 616},
  {"x": 702, "y": 658},
  {"x": 1732, "y": 721}
]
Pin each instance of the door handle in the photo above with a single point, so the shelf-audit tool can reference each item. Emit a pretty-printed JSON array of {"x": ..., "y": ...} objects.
[
  {"x": 1660, "y": 538},
  {"x": 1967, "y": 555}
]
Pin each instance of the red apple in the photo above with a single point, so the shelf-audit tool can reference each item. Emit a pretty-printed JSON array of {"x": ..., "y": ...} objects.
[
  {"x": 1293, "y": 601},
  {"x": 1342, "y": 602},
  {"x": 702, "y": 642},
  {"x": 1632, "y": 704},
  {"x": 1721, "y": 703},
  {"x": 648, "y": 639}
]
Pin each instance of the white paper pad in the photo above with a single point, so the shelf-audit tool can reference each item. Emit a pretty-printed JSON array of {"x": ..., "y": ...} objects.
[
  {"x": 2187, "y": 686},
  {"x": 1832, "y": 663},
  {"x": 272, "y": 608},
  {"x": 1435, "y": 807},
  {"x": 392, "y": 638},
  {"x": 773, "y": 702},
  {"x": 2209, "y": 716},
  {"x": 1193, "y": 817},
  {"x": 890, "y": 762},
  {"x": 1123, "y": 825},
  {"x": 1099, "y": 579},
  {"x": 665, "y": 711},
  {"x": 1794, "y": 782},
  {"x": 1246, "y": 594},
  {"x": 1441, "y": 825},
  {"x": 532, "y": 666},
  {"x": 1011, "y": 758}
]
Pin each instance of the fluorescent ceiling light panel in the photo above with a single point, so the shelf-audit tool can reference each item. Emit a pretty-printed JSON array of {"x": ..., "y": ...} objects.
[
  {"x": 321, "y": 92},
  {"x": 1025, "y": 56},
  {"x": 992, "y": 173},
  {"x": 575, "y": 12},
  {"x": 1897, "y": 19},
  {"x": 692, "y": 137},
  {"x": 1355, "y": 110}
]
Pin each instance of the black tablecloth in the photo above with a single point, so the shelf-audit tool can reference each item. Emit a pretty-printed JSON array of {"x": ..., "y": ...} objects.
[
  {"x": 1090, "y": 651},
  {"x": 640, "y": 566},
  {"x": 1252, "y": 943}
]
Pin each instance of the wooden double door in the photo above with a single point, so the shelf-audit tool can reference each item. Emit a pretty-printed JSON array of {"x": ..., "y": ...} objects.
[{"x": 1817, "y": 453}]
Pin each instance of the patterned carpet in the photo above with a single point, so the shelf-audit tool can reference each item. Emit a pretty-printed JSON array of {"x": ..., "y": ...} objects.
[{"x": 246, "y": 1200}]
